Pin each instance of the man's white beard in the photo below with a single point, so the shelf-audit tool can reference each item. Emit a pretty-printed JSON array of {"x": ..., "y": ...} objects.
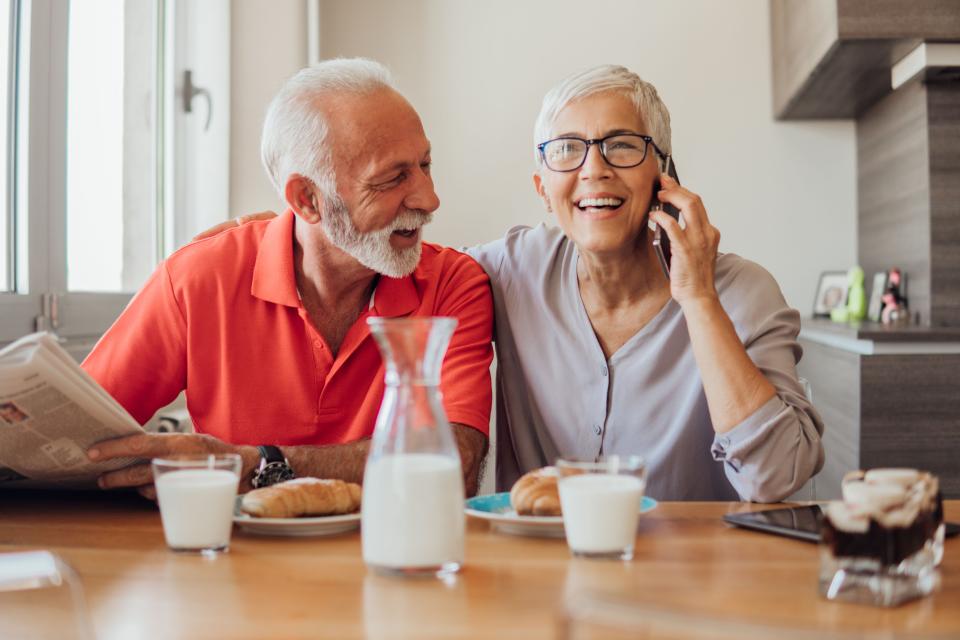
[{"x": 373, "y": 249}]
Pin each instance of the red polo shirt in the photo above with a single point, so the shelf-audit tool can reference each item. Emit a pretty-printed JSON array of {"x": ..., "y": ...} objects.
[{"x": 221, "y": 318}]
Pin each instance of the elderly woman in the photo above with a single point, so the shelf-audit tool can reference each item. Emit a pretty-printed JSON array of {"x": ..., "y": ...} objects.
[{"x": 600, "y": 353}]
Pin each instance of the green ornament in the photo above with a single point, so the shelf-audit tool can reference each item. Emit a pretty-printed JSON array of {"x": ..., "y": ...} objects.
[{"x": 856, "y": 295}]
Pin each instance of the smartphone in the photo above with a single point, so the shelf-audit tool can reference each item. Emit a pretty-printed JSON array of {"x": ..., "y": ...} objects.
[
  {"x": 661, "y": 242},
  {"x": 802, "y": 523}
]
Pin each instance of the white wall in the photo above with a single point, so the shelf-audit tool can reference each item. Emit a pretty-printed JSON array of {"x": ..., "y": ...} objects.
[
  {"x": 268, "y": 44},
  {"x": 782, "y": 194}
]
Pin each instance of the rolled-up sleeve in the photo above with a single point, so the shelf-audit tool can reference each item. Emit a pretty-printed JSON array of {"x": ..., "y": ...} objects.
[{"x": 775, "y": 450}]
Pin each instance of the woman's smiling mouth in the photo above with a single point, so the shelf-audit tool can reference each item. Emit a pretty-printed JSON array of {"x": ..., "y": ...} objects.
[{"x": 599, "y": 204}]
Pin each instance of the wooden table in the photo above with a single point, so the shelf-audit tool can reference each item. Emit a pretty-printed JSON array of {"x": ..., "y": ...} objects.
[{"x": 686, "y": 561}]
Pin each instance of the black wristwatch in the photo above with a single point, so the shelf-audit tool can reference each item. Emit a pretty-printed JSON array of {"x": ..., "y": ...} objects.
[{"x": 273, "y": 468}]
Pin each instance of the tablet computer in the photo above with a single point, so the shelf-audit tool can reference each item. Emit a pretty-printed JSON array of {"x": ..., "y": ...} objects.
[{"x": 802, "y": 523}]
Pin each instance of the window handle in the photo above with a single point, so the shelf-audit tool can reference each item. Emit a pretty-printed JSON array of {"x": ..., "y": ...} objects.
[
  {"x": 190, "y": 91},
  {"x": 49, "y": 318}
]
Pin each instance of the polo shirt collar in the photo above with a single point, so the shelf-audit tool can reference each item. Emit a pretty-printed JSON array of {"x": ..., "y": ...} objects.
[
  {"x": 274, "y": 279},
  {"x": 273, "y": 275},
  {"x": 395, "y": 297}
]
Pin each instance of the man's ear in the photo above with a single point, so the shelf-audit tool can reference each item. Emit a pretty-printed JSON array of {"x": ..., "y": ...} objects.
[
  {"x": 301, "y": 195},
  {"x": 538, "y": 185}
]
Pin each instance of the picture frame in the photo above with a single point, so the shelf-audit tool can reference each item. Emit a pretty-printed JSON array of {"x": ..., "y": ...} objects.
[
  {"x": 876, "y": 296},
  {"x": 831, "y": 293}
]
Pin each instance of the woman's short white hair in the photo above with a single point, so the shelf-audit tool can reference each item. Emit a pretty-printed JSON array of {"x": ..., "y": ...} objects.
[
  {"x": 294, "y": 138},
  {"x": 606, "y": 77}
]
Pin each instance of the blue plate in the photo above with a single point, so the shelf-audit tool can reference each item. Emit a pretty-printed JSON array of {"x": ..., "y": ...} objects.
[{"x": 496, "y": 508}]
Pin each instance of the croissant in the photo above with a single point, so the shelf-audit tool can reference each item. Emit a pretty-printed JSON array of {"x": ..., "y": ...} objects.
[
  {"x": 303, "y": 497},
  {"x": 536, "y": 493}
]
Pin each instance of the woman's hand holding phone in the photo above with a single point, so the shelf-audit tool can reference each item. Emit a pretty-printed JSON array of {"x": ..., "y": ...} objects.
[{"x": 693, "y": 249}]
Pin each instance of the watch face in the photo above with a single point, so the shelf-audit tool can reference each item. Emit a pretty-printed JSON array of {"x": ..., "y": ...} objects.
[{"x": 272, "y": 473}]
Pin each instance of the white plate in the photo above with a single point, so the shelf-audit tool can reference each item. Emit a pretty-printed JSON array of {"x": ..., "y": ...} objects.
[
  {"x": 318, "y": 526},
  {"x": 496, "y": 509}
]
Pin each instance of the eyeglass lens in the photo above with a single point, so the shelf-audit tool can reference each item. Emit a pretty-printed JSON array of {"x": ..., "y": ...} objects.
[{"x": 566, "y": 154}]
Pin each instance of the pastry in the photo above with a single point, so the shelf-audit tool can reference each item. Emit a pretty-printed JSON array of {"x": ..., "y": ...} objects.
[
  {"x": 536, "y": 494},
  {"x": 303, "y": 497}
]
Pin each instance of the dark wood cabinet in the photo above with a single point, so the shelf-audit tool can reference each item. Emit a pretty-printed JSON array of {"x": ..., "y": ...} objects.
[
  {"x": 888, "y": 398},
  {"x": 832, "y": 58}
]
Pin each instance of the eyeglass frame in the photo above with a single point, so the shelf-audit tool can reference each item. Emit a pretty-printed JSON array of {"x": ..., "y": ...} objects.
[{"x": 647, "y": 141}]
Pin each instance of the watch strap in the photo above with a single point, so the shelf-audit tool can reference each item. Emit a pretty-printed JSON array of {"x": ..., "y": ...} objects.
[{"x": 270, "y": 453}]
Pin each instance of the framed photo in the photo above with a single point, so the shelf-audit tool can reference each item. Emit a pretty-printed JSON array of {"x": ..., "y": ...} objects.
[
  {"x": 876, "y": 296},
  {"x": 831, "y": 292}
]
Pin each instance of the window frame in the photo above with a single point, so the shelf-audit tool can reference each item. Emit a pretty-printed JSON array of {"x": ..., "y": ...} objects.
[
  {"x": 40, "y": 138},
  {"x": 9, "y": 203},
  {"x": 38, "y": 166},
  {"x": 29, "y": 135}
]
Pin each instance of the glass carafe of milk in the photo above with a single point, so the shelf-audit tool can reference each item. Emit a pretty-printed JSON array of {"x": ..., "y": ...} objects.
[{"x": 412, "y": 516}]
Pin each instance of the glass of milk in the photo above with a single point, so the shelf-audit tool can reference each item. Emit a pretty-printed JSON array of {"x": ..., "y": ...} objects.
[
  {"x": 601, "y": 504},
  {"x": 196, "y": 495},
  {"x": 412, "y": 519}
]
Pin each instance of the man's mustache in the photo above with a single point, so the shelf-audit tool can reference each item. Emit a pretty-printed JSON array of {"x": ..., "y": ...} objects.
[{"x": 411, "y": 219}]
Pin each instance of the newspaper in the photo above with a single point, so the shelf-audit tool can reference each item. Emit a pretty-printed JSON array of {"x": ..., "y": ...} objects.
[{"x": 51, "y": 412}]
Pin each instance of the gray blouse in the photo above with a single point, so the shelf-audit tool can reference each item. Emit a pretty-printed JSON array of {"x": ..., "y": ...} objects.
[{"x": 558, "y": 395}]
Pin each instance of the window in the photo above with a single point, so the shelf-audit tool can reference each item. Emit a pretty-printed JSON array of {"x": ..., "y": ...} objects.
[
  {"x": 7, "y": 42},
  {"x": 106, "y": 170},
  {"x": 112, "y": 130}
]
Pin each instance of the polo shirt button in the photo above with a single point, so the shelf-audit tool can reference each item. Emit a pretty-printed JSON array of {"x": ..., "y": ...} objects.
[
  {"x": 603, "y": 370},
  {"x": 597, "y": 429}
]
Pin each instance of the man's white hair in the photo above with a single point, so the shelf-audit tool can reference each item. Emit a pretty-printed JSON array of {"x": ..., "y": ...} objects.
[
  {"x": 294, "y": 138},
  {"x": 606, "y": 77}
]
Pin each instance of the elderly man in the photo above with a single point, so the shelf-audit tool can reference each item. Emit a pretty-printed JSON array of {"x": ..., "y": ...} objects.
[{"x": 265, "y": 327}]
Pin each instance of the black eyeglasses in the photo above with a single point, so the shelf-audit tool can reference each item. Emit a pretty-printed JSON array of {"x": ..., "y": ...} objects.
[{"x": 621, "y": 150}]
